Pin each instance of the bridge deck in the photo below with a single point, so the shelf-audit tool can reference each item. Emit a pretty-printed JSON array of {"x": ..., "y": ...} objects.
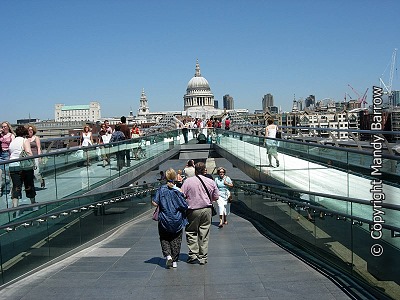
[{"x": 242, "y": 264}]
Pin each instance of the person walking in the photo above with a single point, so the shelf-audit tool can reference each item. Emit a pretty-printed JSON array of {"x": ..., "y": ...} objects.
[
  {"x": 105, "y": 137},
  {"x": 272, "y": 144},
  {"x": 200, "y": 192},
  {"x": 36, "y": 149},
  {"x": 135, "y": 134},
  {"x": 127, "y": 133},
  {"x": 6, "y": 137},
  {"x": 86, "y": 140},
  {"x": 189, "y": 170},
  {"x": 224, "y": 183},
  {"x": 20, "y": 175},
  {"x": 185, "y": 131},
  {"x": 118, "y": 136},
  {"x": 171, "y": 218}
]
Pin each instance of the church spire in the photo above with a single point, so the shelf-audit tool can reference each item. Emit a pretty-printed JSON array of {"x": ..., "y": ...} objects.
[
  {"x": 143, "y": 106},
  {"x": 197, "y": 74}
]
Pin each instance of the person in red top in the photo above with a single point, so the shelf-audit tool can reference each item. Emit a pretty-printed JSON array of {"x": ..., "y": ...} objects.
[
  {"x": 135, "y": 132},
  {"x": 227, "y": 124}
]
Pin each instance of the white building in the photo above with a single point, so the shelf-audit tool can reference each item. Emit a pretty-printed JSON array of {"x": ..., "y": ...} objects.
[
  {"x": 68, "y": 113},
  {"x": 199, "y": 100},
  {"x": 143, "y": 106}
]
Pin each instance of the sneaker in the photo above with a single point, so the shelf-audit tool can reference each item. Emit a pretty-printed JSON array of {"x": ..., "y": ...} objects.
[
  {"x": 169, "y": 263},
  {"x": 174, "y": 264},
  {"x": 277, "y": 163},
  {"x": 191, "y": 260},
  {"x": 203, "y": 262}
]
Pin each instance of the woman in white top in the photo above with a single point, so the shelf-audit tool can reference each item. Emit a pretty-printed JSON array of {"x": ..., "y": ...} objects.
[
  {"x": 86, "y": 137},
  {"x": 224, "y": 183},
  {"x": 86, "y": 140},
  {"x": 189, "y": 170},
  {"x": 272, "y": 144},
  {"x": 18, "y": 174}
]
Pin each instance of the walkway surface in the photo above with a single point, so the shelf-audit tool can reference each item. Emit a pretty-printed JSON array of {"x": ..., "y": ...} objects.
[{"x": 242, "y": 264}]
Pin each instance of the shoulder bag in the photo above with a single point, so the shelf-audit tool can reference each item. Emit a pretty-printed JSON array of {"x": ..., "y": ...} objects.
[
  {"x": 213, "y": 211},
  {"x": 155, "y": 214},
  {"x": 26, "y": 164}
]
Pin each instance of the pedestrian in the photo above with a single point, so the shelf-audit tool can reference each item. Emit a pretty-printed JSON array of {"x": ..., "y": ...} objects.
[
  {"x": 189, "y": 170},
  {"x": 21, "y": 175},
  {"x": 36, "y": 149},
  {"x": 200, "y": 192},
  {"x": 185, "y": 130},
  {"x": 127, "y": 133},
  {"x": 224, "y": 184},
  {"x": 179, "y": 179},
  {"x": 86, "y": 140},
  {"x": 272, "y": 144},
  {"x": 6, "y": 137},
  {"x": 171, "y": 218},
  {"x": 118, "y": 136},
  {"x": 105, "y": 137}
]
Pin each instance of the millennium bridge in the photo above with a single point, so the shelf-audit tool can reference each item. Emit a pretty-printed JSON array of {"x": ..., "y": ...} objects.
[{"x": 311, "y": 228}]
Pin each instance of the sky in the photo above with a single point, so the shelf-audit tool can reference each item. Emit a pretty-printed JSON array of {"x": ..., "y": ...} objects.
[{"x": 76, "y": 51}]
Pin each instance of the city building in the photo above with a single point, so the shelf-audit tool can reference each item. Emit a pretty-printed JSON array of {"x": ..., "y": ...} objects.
[
  {"x": 395, "y": 119},
  {"x": 26, "y": 121},
  {"x": 76, "y": 113},
  {"x": 310, "y": 101},
  {"x": 143, "y": 105},
  {"x": 395, "y": 98},
  {"x": 53, "y": 129},
  {"x": 267, "y": 101},
  {"x": 228, "y": 102},
  {"x": 216, "y": 104},
  {"x": 268, "y": 104},
  {"x": 199, "y": 100}
]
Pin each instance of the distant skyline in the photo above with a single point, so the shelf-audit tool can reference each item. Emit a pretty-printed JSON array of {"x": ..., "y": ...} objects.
[{"x": 73, "y": 52}]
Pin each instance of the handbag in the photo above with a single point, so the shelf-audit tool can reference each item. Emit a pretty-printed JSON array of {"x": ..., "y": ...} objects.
[
  {"x": 230, "y": 198},
  {"x": 26, "y": 164},
  {"x": 155, "y": 214},
  {"x": 213, "y": 211}
]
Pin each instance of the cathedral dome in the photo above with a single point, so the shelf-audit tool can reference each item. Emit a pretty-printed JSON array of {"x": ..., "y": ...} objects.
[
  {"x": 198, "y": 97},
  {"x": 198, "y": 82}
]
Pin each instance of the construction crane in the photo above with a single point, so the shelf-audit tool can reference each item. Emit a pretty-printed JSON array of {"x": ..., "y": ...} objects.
[
  {"x": 388, "y": 87},
  {"x": 345, "y": 97},
  {"x": 362, "y": 100}
]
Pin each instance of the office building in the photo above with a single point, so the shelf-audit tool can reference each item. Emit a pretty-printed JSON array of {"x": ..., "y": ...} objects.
[
  {"x": 228, "y": 102},
  {"x": 267, "y": 101},
  {"x": 76, "y": 113}
]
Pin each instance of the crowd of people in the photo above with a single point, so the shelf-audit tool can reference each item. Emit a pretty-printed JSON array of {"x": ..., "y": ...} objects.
[
  {"x": 24, "y": 142},
  {"x": 203, "y": 129},
  {"x": 107, "y": 134},
  {"x": 185, "y": 202},
  {"x": 21, "y": 143}
]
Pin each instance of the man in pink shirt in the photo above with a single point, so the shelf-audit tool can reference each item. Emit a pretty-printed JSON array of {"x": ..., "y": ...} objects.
[{"x": 199, "y": 213}]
